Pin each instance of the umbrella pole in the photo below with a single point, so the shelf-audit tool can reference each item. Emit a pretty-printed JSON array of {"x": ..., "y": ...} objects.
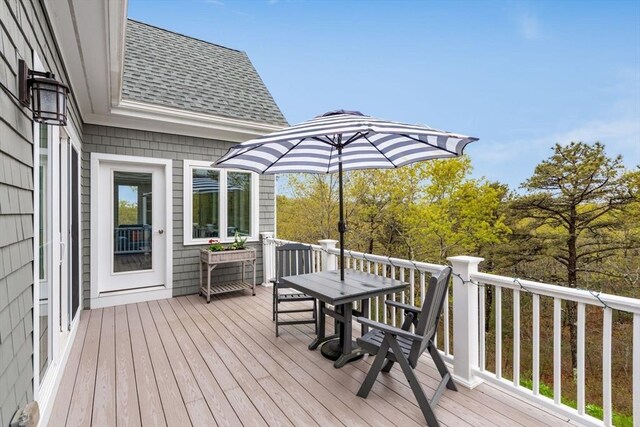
[{"x": 341, "y": 225}]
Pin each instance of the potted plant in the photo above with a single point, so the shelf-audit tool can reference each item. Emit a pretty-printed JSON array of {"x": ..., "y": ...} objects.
[
  {"x": 215, "y": 245},
  {"x": 217, "y": 252}
]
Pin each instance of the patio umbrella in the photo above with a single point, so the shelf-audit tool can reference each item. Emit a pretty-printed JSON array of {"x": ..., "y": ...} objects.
[{"x": 339, "y": 141}]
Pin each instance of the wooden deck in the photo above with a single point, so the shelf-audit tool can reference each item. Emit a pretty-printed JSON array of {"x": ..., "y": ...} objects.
[{"x": 181, "y": 362}]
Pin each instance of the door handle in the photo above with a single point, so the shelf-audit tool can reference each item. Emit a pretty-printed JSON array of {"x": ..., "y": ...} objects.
[{"x": 161, "y": 231}]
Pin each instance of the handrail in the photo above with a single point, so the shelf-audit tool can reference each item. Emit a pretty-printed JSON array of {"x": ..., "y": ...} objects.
[
  {"x": 283, "y": 241},
  {"x": 396, "y": 262},
  {"x": 615, "y": 302}
]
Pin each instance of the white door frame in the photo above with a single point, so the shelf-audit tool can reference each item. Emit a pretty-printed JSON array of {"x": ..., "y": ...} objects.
[{"x": 99, "y": 299}]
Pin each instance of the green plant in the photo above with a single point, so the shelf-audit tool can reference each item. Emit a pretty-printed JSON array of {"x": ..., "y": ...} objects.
[
  {"x": 238, "y": 242},
  {"x": 215, "y": 245},
  {"x": 591, "y": 409}
]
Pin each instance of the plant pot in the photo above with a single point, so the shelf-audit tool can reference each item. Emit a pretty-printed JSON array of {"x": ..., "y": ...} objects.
[{"x": 227, "y": 256}]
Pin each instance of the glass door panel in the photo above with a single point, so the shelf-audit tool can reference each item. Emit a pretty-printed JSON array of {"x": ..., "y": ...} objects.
[
  {"x": 45, "y": 238},
  {"x": 74, "y": 234},
  {"x": 132, "y": 221}
]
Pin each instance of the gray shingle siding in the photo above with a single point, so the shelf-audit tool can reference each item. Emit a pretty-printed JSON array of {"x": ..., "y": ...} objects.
[
  {"x": 102, "y": 139},
  {"x": 24, "y": 27},
  {"x": 170, "y": 69},
  {"x": 237, "y": 92}
]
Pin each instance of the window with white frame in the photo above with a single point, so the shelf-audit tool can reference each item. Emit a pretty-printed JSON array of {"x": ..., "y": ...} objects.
[{"x": 218, "y": 203}]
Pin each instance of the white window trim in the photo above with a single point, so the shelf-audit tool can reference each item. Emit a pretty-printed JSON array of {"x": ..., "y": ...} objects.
[{"x": 188, "y": 166}]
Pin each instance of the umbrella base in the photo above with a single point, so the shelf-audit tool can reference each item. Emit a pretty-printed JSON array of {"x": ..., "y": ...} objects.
[{"x": 332, "y": 350}]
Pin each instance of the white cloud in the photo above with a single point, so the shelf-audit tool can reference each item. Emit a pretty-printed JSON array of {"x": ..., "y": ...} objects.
[
  {"x": 512, "y": 162},
  {"x": 621, "y": 136},
  {"x": 529, "y": 27},
  {"x": 624, "y": 132},
  {"x": 216, "y": 2}
]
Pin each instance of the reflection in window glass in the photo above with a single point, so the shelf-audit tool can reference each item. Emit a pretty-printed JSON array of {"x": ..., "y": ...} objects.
[
  {"x": 206, "y": 199},
  {"x": 238, "y": 203},
  {"x": 45, "y": 213},
  {"x": 132, "y": 221}
]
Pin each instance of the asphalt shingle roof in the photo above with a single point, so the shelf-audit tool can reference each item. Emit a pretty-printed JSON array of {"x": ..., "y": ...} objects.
[{"x": 169, "y": 69}]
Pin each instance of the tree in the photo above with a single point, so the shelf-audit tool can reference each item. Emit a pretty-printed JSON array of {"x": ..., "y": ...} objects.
[
  {"x": 127, "y": 212},
  {"x": 424, "y": 211},
  {"x": 571, "y": 213},
  {"x": 311, "y": 212}
]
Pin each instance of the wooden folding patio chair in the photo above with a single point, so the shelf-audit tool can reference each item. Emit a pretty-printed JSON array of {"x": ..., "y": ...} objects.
[
  {"x": 399, "y": 345},
  {"x": 292, "y": 259}
]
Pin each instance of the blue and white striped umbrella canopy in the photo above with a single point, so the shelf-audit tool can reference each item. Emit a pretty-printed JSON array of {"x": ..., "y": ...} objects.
[{"x": 365, "y": 142}]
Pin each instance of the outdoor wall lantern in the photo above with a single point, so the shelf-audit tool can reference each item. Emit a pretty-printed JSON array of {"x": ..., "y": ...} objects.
[{"x": 49, "y": 95}]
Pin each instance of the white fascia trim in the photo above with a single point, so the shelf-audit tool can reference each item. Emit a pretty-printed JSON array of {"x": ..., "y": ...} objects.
[
  {"x": 117, "y": 21},
  {"x": 215, "y": 127}
]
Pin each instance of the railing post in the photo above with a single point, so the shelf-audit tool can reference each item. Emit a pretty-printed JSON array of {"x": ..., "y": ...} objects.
[
  {"x": 329, "y": 261},
  {"x": 465, "y": 321},
  {"x": 268, "y": 258}
]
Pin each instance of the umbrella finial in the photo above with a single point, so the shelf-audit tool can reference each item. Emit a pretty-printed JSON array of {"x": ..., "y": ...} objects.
[{"x": 338, "y": 112}]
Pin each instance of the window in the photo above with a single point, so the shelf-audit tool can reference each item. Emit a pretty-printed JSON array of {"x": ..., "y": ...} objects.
[{"x": 218, "y": 203}]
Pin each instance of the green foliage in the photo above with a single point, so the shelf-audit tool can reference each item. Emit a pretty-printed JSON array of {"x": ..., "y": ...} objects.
[
  {"x": 238, "y": 242},
  {"x": 127, "y": 212},
  {"x": 215, "y": 245},
  {"x": 591, "y": 409},
  {"x": 572, "y": 211},
  {"x": 426, "y": 211},
  {"x": 312, "y": 211}
]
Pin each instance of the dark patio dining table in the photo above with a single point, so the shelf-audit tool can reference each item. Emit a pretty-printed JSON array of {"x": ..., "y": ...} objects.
[{"x": 327, "y": 287}]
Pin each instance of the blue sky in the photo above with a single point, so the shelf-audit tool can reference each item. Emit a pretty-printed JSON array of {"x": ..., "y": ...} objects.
[{"x": 519, "y": 75}]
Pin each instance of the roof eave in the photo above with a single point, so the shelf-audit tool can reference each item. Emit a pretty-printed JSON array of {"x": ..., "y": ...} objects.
[
  {"x": 91, "y": 36},
  {"x": 143, "y": 116}
]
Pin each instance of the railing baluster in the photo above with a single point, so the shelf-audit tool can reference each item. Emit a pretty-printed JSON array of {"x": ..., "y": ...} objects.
[
  {"x": 498, "y": 332},
  {"x": 393, "y": 298},
  {"x": 372, "y": 301},
  {"x": 412, "y": 290},
  {"x": 375, "y": 272},
  {"x": 536, "y": 344},
  {"x": 481, "y": 328},
  {"x": 384, "y": 298},
  {"x": 607, "y": 415},
  {"x": 580, "y": 355},
  {"x": 557, "y": 353},
  {"x": 446, "y": 324},
  {"x": 402, "y": 296},
  {"x": 412, "y": 286},
  {"x": 516, "y": 337},
  {"x": 422, "y": 287},
  {"x": 636, "y": 369}
]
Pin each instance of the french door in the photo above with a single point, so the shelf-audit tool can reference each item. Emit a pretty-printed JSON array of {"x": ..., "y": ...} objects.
[{"x": 57, "y": 257}]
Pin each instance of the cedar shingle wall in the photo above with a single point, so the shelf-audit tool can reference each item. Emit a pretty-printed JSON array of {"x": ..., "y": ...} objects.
[
  {"x": 111, "y": 140},
  {"x": 23, "y": 28}
]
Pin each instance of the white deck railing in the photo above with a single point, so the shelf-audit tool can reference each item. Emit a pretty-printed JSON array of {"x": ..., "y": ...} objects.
[
  {"x": 582, "y": 298},
  {"x": 467, "y": 332}
]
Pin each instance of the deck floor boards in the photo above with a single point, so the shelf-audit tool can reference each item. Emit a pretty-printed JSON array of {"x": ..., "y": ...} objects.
[{"x": 184, "y": 362}]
